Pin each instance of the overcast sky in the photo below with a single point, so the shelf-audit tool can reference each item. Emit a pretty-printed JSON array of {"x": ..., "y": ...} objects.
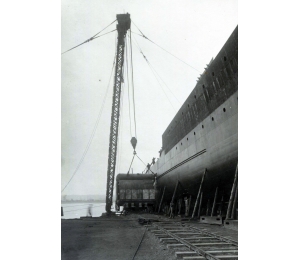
[{"x": 193, "y": 30}]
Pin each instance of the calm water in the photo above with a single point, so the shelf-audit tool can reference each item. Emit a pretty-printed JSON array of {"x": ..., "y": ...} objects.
[{"x": 77, "y": 210}]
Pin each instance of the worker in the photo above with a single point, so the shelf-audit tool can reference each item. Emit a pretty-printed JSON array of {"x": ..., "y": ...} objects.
[
  {"x": 149, "y": 209},
  {"x": 153, "y": 161},
  {"x": 148, "y": 167},
  {"x": 166, "y": 210},
  {"x": 160, "y": 151},
  {"x": 172, "y": 210},
  {"x": 154, "y": 183},
  {"x": 186, "y": 202},
  {"x": 179, "y": 207},
  {"x": 89, "y": 213}
]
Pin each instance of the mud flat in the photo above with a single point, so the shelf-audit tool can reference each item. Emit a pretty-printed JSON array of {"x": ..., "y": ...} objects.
[{"x": 118, "y": 237}]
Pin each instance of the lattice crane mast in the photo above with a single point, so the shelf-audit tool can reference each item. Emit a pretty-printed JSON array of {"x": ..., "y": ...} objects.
[{"x": 122, "y": 27}]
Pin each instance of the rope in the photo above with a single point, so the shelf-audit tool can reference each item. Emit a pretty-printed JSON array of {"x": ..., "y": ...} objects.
[
  {"x": 139, "y": 243},
  {"x": 126, "y": 51},
  {"x": 104, "y": 28},
  {"x": 163, "y": 81},
  {"x": 94, "y": 130},
  {"x": 144, "y": 36},
  {"x": 144, "y": 163},
  {"x": 132, "y": 85},
  {"x": 156, "y": 71},
  {"x": 160, "y": 85},
  {"x": 152, "y": 70},
  {"x": 141, "y": 160},
  {"x": 104, "y": 34},
  {"x": 92, "y": 38},
  {"x": 144, "y": 169},
  {"x": 131, "y": 162}
]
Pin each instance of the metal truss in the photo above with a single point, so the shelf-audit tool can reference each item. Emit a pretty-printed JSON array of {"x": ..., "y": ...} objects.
[{"x": 122, "y": 27}]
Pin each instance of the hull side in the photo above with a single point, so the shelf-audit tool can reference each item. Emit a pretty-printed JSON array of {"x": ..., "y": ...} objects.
[
  {"x": 204, "y": 132},
  {"x": 217, "y": 146}
]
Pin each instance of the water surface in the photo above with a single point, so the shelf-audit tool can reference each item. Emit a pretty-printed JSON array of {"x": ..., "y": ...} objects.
[{"x": 77, "y": 209}]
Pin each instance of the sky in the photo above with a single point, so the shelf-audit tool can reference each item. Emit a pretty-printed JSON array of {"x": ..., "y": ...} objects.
[{"x": 192, "y": 30}]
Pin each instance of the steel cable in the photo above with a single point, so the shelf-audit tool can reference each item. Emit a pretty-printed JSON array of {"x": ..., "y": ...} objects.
[
  {"x": 93, "y": 37},
  {"x": 132, "y": 85},
  {"x": 94, "y": 130},
  {"x": 144, "y": 163},
  {"x": 139, "y": 243},
  {"x": 131, "y": 163},
  {"x": 155, "y": 70},
  {"x": 157, "y": 79},
  {"x": 144, "y": 36},
  {"x": 127, "y": 67}
]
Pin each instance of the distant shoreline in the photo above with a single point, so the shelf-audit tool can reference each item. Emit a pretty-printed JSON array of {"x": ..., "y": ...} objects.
[{"x": 82, "y": 201}]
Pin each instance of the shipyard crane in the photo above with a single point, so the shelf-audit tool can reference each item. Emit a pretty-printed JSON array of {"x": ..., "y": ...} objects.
[{"x": 122, "y": 27}]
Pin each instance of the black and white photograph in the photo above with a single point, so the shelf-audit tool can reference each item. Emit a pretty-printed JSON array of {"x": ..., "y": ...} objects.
[
  {"x": 149, "y": 130},
  {"x": 124, "y": 134}
]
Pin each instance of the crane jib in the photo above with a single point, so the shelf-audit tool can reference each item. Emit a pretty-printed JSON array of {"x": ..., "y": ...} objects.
[{"x": 123, "y": 25}]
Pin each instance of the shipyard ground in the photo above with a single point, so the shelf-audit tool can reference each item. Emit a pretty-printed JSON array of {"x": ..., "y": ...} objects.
[{"x": 118, "y": 237}]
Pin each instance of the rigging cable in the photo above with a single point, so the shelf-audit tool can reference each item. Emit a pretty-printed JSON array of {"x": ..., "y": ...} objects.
[
  {"x": 134, "y": 154},
  {"x": 132, "y": 85},
  {"x": 127, "y": 66},
  {"x": 94, "y": 130},
  {"x": 141, "y": 160},
  {"x": 157, "y": 79},
  {"x": 155, "y": 71},
  {"x": 104, "y": 28},
  {"x": 140, "y": 243},
  {"x": 144, "y": 36},
  {"x": 88, "y": 41},
  {"x": 144, "y": 170},
  {"x": 144, "y": 163},
  {"x": 93, "y": 37}
]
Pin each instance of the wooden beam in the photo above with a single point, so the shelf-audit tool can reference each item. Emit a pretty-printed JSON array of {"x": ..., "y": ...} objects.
[
  {"x": 190, "y": 202},
  {"x": 200, "y": 204},
  {"x": 161, "y": 199},
  {"x": 173, "y": 197},
  {"x": 234, "y": 203},
  {"x": 228, "y": 215},
  {"x": 200, "y": 187},
  {"x": 214, "y": 203}
]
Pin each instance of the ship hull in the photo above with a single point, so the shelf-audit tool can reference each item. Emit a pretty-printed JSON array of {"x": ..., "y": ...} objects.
[
  {"x": 203, "y": 136},
  {"x": 214, "y": 147}
]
